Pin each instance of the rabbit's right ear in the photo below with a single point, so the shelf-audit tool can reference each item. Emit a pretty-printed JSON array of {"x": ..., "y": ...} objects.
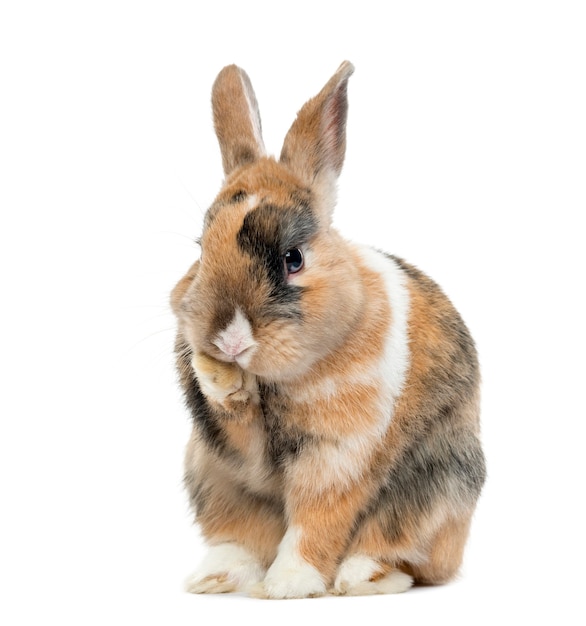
[
  {"x": 315, "y": 145},
  {"x": 236, "y": 118}
]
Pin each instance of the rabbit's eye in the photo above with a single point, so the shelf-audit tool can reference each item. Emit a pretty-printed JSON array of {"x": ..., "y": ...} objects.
[{"x": 293, "y": 261}]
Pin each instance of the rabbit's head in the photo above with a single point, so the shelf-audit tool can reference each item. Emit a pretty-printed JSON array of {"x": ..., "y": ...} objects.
[{"x": 275, "y": 288}]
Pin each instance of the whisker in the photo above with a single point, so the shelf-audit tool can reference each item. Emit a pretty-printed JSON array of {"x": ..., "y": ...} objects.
[
  {"x": 176, "y": 234},
  {"x": 147, "y": 306},
  {"x": 156, "y": 316},
  {"x": 150, "y": 336},
  {"x": 188, "y": 192}
]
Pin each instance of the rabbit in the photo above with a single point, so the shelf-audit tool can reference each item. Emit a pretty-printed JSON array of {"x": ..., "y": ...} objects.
[{"x": 334, "y": 389}]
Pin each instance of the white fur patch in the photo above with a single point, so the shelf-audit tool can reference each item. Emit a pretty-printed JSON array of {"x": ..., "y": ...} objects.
[
  {"x": 290, "y": 576},
  {"x": 236, "y": 340},
  {"x": 354, "y": 570},
  {"x": 251, "y": 201},
  {"x": 394, "y": 364},
  {"x": 227, "y": 567},
  {"x": 342, "y": 462},
  {"x": 394, "y": 582}
]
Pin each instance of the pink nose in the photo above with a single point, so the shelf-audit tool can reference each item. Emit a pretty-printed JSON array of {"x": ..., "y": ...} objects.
[
  {"x": 236, "y": 337},
  {"x": 232, "y": 347}
]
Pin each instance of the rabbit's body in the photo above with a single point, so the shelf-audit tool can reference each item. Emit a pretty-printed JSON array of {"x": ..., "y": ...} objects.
[{"x": 334, "y": 389}]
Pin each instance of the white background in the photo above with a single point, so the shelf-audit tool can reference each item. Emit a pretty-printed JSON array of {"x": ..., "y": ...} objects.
[{"x": 466, "y": 155}]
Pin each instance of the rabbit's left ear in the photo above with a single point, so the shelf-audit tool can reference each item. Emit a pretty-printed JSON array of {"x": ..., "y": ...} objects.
[
  {"x": 236, "y": 119},
  {"x": 315, "y": 145}
]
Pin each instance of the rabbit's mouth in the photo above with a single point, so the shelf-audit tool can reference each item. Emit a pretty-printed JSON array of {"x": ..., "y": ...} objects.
[
  {"x": 242, "y": 358},
  {"x": 236, "y": 342}
]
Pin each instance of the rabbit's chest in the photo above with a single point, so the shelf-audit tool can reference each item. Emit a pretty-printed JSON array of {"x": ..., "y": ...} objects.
[
  {"x": 246, "y": 456},
  {"x": 263, "y": 446}
]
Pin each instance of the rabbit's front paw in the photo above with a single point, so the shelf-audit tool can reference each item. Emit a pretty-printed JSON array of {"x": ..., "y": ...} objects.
[
  {"x": 359, "y": 575},
  {"x": 290, "y": 576},
  {"x": 297, "y": 581},
  {"x": 224, "y": 383},
  {"x": 226, "y": 568}
]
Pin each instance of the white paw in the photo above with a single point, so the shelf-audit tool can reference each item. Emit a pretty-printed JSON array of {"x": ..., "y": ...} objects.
[
  {"x": 226, "y": 568},
  {"x": 290, "y": 576},
  {"x": 355, "y": 573},
  {"x": 303, "y": 581}
]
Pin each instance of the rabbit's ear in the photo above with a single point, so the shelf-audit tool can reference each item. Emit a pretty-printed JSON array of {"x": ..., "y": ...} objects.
[
  {"x": 236, "y": 118},
  {"x": 315, "y": 145}
]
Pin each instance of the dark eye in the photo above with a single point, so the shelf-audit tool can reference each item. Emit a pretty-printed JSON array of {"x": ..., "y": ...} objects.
[{"x": 293, "y": 261}]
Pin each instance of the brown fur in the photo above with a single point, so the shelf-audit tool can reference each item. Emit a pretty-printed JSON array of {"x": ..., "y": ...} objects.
[{"x": 293, "y": 439}]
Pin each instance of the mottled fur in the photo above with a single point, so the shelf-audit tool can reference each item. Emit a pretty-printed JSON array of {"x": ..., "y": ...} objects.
[{"x": 341, "y": 448}]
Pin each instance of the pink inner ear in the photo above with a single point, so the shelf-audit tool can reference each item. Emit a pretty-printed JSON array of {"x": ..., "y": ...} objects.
[{"x": 316, "y": 142}]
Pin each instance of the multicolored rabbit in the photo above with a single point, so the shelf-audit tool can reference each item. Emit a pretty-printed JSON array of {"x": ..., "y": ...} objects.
[{"x": 334, "y": 389}]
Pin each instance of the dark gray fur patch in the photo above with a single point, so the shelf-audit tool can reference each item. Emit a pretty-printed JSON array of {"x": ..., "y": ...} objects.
[
  {"x": 237, "y": 197},
  {"x": 445, "y": 462},
  {"x": 199, "y": 496},
  {"x": 266, "y": 234},
  {"x": 283, "y": 444},
  {"x": 204, "y": 417},
  {"x": 443, "y": 466}
]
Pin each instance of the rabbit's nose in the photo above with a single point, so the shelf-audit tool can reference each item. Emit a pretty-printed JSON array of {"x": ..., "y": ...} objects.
[{"x": 236, "y": 338}]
